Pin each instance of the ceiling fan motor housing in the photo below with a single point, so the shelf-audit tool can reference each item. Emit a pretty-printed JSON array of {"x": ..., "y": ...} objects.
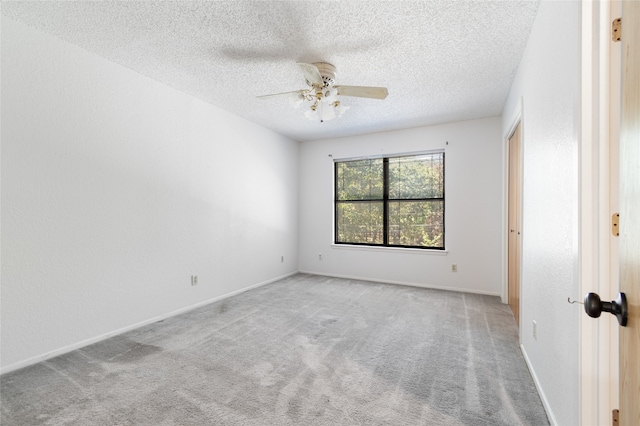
[{"x": 327, "y": 72}]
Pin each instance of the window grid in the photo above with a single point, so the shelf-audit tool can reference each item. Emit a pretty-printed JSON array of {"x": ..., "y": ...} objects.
[{"x": 393, "y": 231}]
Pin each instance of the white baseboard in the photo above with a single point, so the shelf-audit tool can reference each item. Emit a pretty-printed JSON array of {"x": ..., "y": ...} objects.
[
  {"x": 39, "y": 358},
  {"x": 543, "y": 397},
  {"x": 410, "y": 284}
]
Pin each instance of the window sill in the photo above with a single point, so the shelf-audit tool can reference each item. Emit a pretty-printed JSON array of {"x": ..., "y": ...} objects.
[{"x": 430, "y": 252}]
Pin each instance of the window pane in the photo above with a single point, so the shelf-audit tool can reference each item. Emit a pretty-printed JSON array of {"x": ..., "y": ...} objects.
[
  {"x": 359, "y": 222},
  {"x": 359, "y": 180},
  {"x": 416, "y": 223},
  {"x": 420, "y": 176}
]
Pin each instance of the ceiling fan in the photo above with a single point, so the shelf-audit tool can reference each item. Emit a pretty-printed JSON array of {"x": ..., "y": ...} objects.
[{"x": 323, "y": 93}]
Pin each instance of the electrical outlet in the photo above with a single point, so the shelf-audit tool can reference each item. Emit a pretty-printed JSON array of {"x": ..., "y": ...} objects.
[
  {"x": 454, "y": 267},
  {"x": 535, "y": 330},
  {"x": 194, "y": 280},
  {"x": 319, "y": 257}
]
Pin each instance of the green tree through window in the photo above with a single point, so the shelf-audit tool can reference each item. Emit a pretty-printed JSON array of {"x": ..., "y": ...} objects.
[{"x": 395, "y": 201}]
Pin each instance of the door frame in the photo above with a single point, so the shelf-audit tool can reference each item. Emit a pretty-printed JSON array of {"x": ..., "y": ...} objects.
[
  {"x": 597, "y": 382},
  {"x": 516, "y": 118}
]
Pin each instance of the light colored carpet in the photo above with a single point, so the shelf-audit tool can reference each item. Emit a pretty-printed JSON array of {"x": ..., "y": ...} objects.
[{"x": 305, "y": 350}]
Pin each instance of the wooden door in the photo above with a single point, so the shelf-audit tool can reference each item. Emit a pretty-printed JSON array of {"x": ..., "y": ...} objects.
[
  {"x": 630, "y": 214},
  {"x": 514, "y": 223}
]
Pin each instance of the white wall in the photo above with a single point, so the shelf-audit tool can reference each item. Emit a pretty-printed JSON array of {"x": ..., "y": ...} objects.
[
  {"x": 473, "y": 209},
  {"x": 116, "y": 189},
  {"x": 548, "y": 85}
]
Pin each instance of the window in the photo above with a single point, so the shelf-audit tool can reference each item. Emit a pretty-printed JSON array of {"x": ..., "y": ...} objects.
[{"x": 393, "y": 202}]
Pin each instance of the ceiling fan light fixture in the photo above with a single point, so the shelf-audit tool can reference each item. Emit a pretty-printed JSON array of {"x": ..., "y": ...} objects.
[
  {"x": 296, "y": 99},
  {"x": 340, "y": 109},
  {"x": 331, "y": 95},
  {"x": 310, "y": 114},
  {"x": 327, "y": 112},
  {"x": 325, "y": 106}
]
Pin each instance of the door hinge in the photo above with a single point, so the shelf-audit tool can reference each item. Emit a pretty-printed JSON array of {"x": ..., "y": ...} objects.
[
  {"x": 615, "y": 417},
  {"x": 615, "y": 224},
  {"x": 616, "y": 29}
]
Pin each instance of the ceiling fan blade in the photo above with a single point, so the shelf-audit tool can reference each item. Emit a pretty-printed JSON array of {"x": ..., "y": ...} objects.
[
  {"x": 279, "y": 94},
  {"x": 311, "y": 73},
  {"x": 363, "y": 91}
]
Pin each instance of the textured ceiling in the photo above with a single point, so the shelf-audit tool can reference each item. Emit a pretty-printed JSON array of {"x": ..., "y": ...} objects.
[{"x": 442, "y": 61}]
